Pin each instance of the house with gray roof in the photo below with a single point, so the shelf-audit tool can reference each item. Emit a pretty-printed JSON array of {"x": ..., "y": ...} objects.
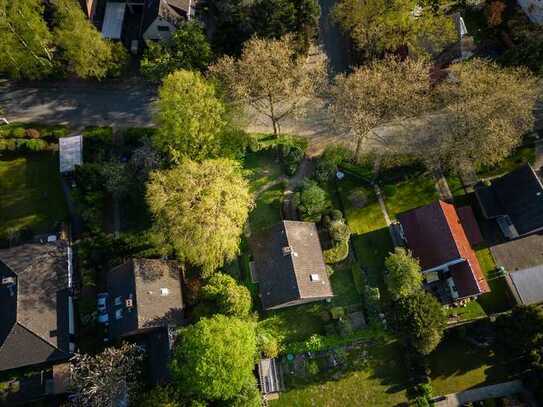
[
  {"x": 145, "y": 304},
  {"x": 289, "y": 266},
  {"x": 162, "y": 17},
  {"x": 36, "y": 306},
  {"x": 514, "y": 201}
]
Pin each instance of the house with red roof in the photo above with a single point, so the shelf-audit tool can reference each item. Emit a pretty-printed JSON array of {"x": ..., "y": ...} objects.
[{"x": 441, "y": 238}]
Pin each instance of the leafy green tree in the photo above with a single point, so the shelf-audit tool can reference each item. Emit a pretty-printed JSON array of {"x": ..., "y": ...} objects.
[
  {"x": 214, "y": 358},
  {"x": 229, "y": 297},
  {"x": 190, "y": 117},
  {"x": 26, "y": 44},
  {"x": 420, "y": 320},
  {"x": 404, "y": 275},
  {"x": 187, "y": 48},
  {"x": 200, "y": 209},
  {"x": 378, "y": 25},
  {"x": 312, "y": 201},
  {"x": 82, "y": 50}
]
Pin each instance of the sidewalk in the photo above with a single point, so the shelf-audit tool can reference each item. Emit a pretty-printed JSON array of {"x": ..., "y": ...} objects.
[{"x": 481, "y": 393}]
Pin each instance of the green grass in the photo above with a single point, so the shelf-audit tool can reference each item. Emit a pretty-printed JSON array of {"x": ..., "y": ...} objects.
[
  {"x": 365, "y": 219},
  {"x": 30, "y": 191},
  {"x": 455, "y": 185},
  {"x": 297, "y": 323},
  {"x": 409, "y": 194},
  {"x": 267, "y": 211},
  {"x": 457, "y": 365},
  {"x": 522, "y": 155},
  {"x": 262, "y": 168},
  {"x": 471, "y": 311},
  {"x": 371, "y": 250},
  {"x": 343, "y": 286},
  {"x": 497, "y": 300},
  {"x": 379, "y": 382}
]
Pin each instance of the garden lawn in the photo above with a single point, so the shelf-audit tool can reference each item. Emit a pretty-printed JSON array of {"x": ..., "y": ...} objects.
[
  {"x": 409, "y": 194},
  {"x": 457, "y": 365},
  {"x": 31, "y": 194},
  {"x": 371, "y": 249},
  {"x": 267, "y": 211},
  {"x": 380, "y": 383},
  {"x": 343, "y": 285},
  {"x": 361, "y": 220},
  {"x": 497, "y": 300},
  {"x": 262, "y": 168}
]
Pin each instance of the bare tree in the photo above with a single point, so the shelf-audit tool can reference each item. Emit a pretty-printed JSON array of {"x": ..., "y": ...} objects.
[
  {"x": 378, "y": 94},
  {"x": 271, "y": 78},
  {"x": 106, "y": 378}
]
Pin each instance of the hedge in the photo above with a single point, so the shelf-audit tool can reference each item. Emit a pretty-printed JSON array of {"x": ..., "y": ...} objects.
[
  {"x": 370, "y": 295},
  {"x": 337, "y": 253},
  {"x": 23, "y": 145},
  {"x": 28, "y": 131}
]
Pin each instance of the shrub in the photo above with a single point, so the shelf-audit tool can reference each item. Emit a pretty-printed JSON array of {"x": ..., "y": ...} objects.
[
  {"x": 35, "y": 145},
  {"x": 17, "y": 132},
  {"x": 336, "y": 215},
  {"x": 314, "y": 343},
  {"x": 327, "y": 165},
  {"x": 268, "y": 344},
  {"x": 372, "y": 304},
  {"x": 337, "y": 312},
  {"x": 120, "y": 63},
  {"x": 313, "y": 368},
  {"x": 358, "y": 198},
  {"x": 345, "y": 327},
  {"x": 339, "y": 232},
  {"x": 325, "y": 315},
  {"x": 329, "y": 270},
  {"x": 312, "y": 201},
  {"x": 337, "y": 253},
  {"x": 8, "y": 145}
]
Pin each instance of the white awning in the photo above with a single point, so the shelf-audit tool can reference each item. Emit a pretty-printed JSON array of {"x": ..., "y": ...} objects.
[{"x": 113, "y": 20}]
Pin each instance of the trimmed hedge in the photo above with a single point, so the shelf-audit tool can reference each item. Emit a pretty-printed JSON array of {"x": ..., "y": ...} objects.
[
  {"x": 337, "y": 253},
  {"x": 370, "y": 295},
  {"x": 31, "y": 131},
  {"x": 23, "y": 145}
]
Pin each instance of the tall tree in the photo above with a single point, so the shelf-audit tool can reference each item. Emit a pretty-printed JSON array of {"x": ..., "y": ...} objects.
[
  {"x": 187, "y": 48},
  {"x": 81, "y": 47},
  {"x": 377, "y": 94},
  {"x": 488, "y": 110},
  {"x": 381, "y": 25},
  {"x": 190, "y": 117},
  {"x": 200, "y": 209},
  {"x": 227, "y": 296},
  {"x": 270, "y": 78},
  {"x": 104, "y": 379},
  {"x": 26, "y": 44},
  {"x": 214, "y": 359},
  {"x": 420, "y": 320},
  {"x": 404, "y": 275}
]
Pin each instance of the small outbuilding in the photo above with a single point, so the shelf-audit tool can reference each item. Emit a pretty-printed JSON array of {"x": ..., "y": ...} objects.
[{"x": 289, "y": 266}]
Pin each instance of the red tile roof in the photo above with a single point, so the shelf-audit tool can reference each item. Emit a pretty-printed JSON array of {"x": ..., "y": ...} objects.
[{"x": 435, "y": 235}]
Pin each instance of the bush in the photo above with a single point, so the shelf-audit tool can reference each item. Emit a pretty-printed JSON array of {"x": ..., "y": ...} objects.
[
  {"x": 8, "y": 145},
  {"x": 337, "y": 253},
  {"x": 311, "y": 201},
  {"x": 268, "y": 344},
  {"x": 337, "y": 312},
  {"x": 345, "y": 327},
  {"x": 372, "y": 297},
  {"x": 313, "y": 368},
  {"x": 120, "y": 63},
  {"x": 336, "y": 215},
  {"x": 329, "y": 270},
  {"x": 325, "y": 315},
  {"x": 32, "y": 133},
  {"x": 35, "y": 145},
  {"x": 358, "y": 198},
  {"x": 18, "y": 132},
  {"x": 327, "y": 165},
  {"x": 339, "y": 232}
]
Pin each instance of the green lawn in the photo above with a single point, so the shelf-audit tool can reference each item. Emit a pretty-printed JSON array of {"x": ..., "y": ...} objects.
[
  {"x": 409, "y": 194},
  {"x": 371, "y": 250},
  {"x": 31, "y": 194},
  {"x": 457, "y": 365},
  {"x": 367, "y": 218},
  {"x": 343, "y": 286},
  {"x": 380, "y": 382},
  {"x": 262, "y": 168},
  {"x": 267, "y": 211},
  {"x": 497, "y": 299}
]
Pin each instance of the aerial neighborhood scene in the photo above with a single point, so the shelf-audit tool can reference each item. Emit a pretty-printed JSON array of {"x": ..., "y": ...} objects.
[{"x": 277, "y": 203}]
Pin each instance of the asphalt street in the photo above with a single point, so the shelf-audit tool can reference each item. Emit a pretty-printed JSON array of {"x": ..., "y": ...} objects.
[{"x": 79, "y": 104}]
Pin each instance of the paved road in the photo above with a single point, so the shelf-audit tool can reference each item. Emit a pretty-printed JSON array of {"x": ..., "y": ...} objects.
[{"x": 79, "y": 104}]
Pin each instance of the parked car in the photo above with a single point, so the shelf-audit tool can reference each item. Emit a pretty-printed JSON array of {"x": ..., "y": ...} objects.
[{"x": 101, "y": 302}]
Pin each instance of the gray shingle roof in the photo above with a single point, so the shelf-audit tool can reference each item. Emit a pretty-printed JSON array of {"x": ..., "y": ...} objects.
[
  {"x": 34, "y": 323},
  {"x": 528, "y": 284},
  {"x": 144, "y": 280},
  {"x": 284, "y": 278}
]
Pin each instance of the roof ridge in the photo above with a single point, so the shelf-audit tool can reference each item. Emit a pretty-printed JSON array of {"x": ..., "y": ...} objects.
[
  {"x": 292, "y": 258},
  {"x": 39, "y": 337},
  {"x": 444, "y": 213}
]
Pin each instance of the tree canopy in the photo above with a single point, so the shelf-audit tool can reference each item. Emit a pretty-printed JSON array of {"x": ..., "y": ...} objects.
[
  {"x": 26, "y": 44},
  {"x": 187, "y": 48},
  {"x": 311, "y": 201},
  {"x": 190, "y": 117},
  {"x": 215, "y": 357},
  {"x": 488, "y": 109},
  {"x": 378, "y": 93},
  {"x": 270, "y": 78},
  {"x": 200, "y": 209},
  {"x": 420, "y": 320},
  {"x": 404, "y": 275},
  {"x": 377, "y": 26},
  {"x": 228, "y": 297},
  {"x": 82, "y": 49}
]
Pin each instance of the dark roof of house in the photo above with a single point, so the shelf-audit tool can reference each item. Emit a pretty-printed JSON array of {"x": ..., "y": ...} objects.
[
  {"x": 284, "y": 278},
  {"x": 435, "y": 235},
  {"x": 519, "y": 254},
  {"x": 518, "y": 195},
  {"x": 34, "y": 323},
  {"x": 528, "y": 284},
  {"x": 155, "y": 289},
  {"x": 172, "y": 11}
]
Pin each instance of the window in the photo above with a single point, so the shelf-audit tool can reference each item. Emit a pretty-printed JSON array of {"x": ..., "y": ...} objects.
[
  {"x": 119, "y": 314},
  {"x": 163, "y": 28},
  {"x": 118, "y": 300},
  {"x": 164, "y": 292}
]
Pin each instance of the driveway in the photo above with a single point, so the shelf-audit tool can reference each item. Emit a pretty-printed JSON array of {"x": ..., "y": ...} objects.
[{"x": 79, "y": 104}]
